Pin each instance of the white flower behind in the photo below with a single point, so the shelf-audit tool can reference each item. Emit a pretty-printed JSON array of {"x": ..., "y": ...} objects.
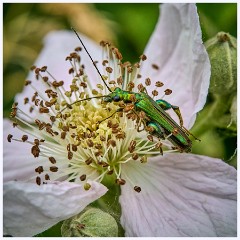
[{"x": 182, "y": 194}]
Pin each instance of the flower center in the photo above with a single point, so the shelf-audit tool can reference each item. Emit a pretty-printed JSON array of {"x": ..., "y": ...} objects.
[{"x": 81, "y": 138}]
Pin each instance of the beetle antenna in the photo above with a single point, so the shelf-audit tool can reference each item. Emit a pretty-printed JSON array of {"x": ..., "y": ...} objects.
[
  {"x": 81, "y": 100},
  {"x": 92, "y": 60}
]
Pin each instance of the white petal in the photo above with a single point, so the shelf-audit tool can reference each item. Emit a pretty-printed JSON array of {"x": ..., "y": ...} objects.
[
  {"x": 57, "y": 46},
  {"x": 176, "y": 47},
  {"x": 29, "y": 209},
  {"x": 18, "y": 162},
  {"x": 182, "y": 195}
]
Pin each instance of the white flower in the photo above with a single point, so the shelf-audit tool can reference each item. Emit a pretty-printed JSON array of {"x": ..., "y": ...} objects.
[{"x": 177, "y": 194}]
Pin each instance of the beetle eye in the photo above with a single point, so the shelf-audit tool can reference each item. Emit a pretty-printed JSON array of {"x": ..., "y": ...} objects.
[{"x": 116, "y": 98}]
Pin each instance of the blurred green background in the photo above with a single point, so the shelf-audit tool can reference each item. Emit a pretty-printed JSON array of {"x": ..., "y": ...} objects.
[{"x": 128, "y": 26}]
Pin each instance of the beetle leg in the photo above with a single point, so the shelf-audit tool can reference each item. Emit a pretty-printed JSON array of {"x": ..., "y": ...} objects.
[{"x": 166, "y": 105}]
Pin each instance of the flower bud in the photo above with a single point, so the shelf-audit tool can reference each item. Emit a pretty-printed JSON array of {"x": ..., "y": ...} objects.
[
  {"x": 222, "y": 51},
  {"x": 91, "y": 223}
]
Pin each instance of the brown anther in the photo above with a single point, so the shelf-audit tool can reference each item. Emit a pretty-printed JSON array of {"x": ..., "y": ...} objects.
[
  {"x": 110, "y": 172},
  {"x": 36, "y": 142},
  {"x": 37, "y": 70},
  {"x": 90, "y": 143},
  {"x": 74, "y": 148},
  {"x": 132, "y": 146},
  {"x": 9, "y": 137},
  {"x": 148, "y": 81},
  {"x": 24, "y": 138},
  {"x": 158, "y": 145},
  {"x": 52, "y": 160},
  {"x": 98, "y": 146},
  {"x": 117, "y": 53},
  {"x": 83, "y": 84},
  {"x": 115, "y": 130},
  {"x": 35, "y": 151},
  {"x": 70, "y": 155},
  {"x": 53, "y": 118},
  {"x": 68, "y": 147},
  {"x": 129, "y": 69},
  {"x": 143, "y": 57},
  {"x": 109, "y": 124},
  {"x": 102, "y": 138},
  {"x": 142, "y": 114},
  {"x": 26, "y": 100},
  {"x": 154, "y": 66},
  {"x": 139, "y": 75},
  {"x": 47, "y": 177},
  {"x": 32, "y": 68},
  {"x": 137, "y": 65},
  {"x": 140, "y": 87},
  {"x": 65, "y": 128},
  {"x": 104, "y": 62},
  {"x": 121, "y": 135},
  {"x": 43, "y": 110},
  {"x": 98, "y": 153},
  {"x": 154, "y": 93},
  {"x": 53, "y": 169},
  {"x": 149, "y": 129},
  {"x": 45, "y": 78},
  {"x": 112, "y": 82},
  {"x": 89, "y": 161},
  {"x": 70, "y": 71},
  {"x": 120, "y": 181},
  {"x": 15, "y": 124},
  {"x": 39, "y": 169},
  {"x": 137, "y": 189},
  {"x": 129, "y": 107},
  {"x": 43, "y": 69},
  {"x": 83, "y": 177},
  {"x": 78, "y": 49},
  {"x": 159, "y": 84},
  {"x": 115, "y": 125},
  {"x": 31, "y": 109},
  {"x": 134, "y": 156},
  {"x": 131, "y": 85},
  {"x": 111, "y": 142},
  {"x": 57, "y": 84},
  {"x": 109, "y": 69},
  {"x": 27, "y": 82},
  {"x": 168, "y": 91},
  {"x": 120, "y": 80},
  {"x": 38, "y": 181},
  {"x": 150, "y": 138}
]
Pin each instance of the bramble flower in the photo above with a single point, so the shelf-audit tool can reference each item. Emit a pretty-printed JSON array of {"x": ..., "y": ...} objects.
[{"x": 62, "y": 147}]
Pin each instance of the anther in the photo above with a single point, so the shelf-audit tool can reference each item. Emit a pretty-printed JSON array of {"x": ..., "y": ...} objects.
[
  {"x": 168, "y": 91},
  {"x": 83, "y": 177},
  {"x": 9, "y": 137},
  {"x": 150, "y": 138},
  {"x": 137, "y": 189},
  {"x": 27, "y": 82},
  {"x": 35, "y": 151},
  {"x": 89, "y": 161},
  {"x": 134, "y": 156},
  {"x": 24, "y": 138},
  {"x": 154, "y": 93},
  {"x": 70, "y": 155},
  {"x": 53, "y": 169},
  {"x": 143, "y": 57},
  {"x": 154, "y": 66},
  {"x": 38, "y": 181},
  {"x": 109, "y": 69},
  {"x": 159, "y": 84},
  {"x": 52, "y": 160},
  {"x": 87, "y": 186},
  {"x": 120, "y": 181},
  {"x": 148, "y": 81},
  {"x": 47, "y": 177},
  {"x": 39, "y": 169}
]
